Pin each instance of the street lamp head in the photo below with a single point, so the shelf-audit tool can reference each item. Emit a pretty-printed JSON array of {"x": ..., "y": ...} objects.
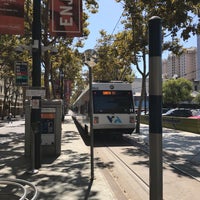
[
  {"x": 21, "y": 48},
  {"x": 90, "y": 53},
  {"x": 90, "y": 57},
  {"x": 54, "y": 50},
  {"x": 18, "y": 49}
]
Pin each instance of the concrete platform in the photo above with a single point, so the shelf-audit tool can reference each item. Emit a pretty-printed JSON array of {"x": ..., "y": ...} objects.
[
  {"x": 68, "y": 177},
  {"x": 65, "y": 177}
]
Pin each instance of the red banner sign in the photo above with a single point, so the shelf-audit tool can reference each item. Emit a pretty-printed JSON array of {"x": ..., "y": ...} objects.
[
  {"x": 12, "y": 17},
  {"x": 67, "y": 90},
  {"x": 66, "y": 18}
]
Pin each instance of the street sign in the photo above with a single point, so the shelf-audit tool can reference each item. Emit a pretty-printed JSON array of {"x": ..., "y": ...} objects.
[
  {"x": 21, "y": 73},
  {"x": 35, "y": 92}
]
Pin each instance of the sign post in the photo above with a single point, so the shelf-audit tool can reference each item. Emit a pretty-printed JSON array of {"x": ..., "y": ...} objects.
[{"x": 36, "y": 80}]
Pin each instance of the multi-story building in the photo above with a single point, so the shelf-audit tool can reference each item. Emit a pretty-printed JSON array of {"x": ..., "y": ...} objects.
[
  {"x": 188, "y": 63},
  {"x": 173, "y": 66},
  {"x": 198, "y": 59},
  {"x": 1, "y": 95},
  {"x": 13, "y": 100},
  {"x": 181, "y": 66},
  {"x": 164, "y": 69}
]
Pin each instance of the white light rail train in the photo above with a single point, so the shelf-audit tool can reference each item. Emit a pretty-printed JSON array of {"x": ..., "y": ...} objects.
[{"x": 113, "y": 108}]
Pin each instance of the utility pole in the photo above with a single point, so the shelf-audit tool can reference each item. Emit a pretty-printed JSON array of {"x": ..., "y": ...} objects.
[{"x": 36, "y": 82}]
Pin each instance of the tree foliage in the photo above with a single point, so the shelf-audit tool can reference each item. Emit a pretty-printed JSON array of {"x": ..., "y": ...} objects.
[
  {"x": 176, "y": 91},
  {"x": 114, "y": 61},
  {"x": 178, "y": 24},
  {"x": 7, "y": 72},
  {"x": 196, "y": 99},
  {"x": 67, "y": 58},
  {"x": 117, "y": 53},
  {"x": 67, "y": 47}
]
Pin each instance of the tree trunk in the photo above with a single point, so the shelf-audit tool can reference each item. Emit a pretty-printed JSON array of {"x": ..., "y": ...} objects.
[
  {"x": 143, "y": 91},
  {"x": 47, "y": 64}
]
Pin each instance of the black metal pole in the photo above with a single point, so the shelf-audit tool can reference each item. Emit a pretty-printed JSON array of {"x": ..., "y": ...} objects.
[
  {"x": 87, "y": 57},
  {"x": 91, "y": 124},
  {"x": 36, "y": 79},
  {"x": 155, "y": 108}
]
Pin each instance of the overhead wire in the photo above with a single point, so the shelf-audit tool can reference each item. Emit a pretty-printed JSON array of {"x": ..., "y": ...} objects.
[{"x": 117, "y": 23}]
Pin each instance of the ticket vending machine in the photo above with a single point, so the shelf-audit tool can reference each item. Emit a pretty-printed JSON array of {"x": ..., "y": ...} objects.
[
  {"x": 50, "y": 128},
  {"x": 47, "y": 126},
  {"x": 51, "y": 120}
]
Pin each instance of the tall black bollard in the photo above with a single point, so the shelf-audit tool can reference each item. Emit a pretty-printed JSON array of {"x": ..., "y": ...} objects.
[{"x": 155, "y": 108}]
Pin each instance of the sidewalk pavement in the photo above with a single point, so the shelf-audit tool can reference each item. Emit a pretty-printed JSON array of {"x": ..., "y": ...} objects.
[
  {"x": 5, "y": 120},
  {"x": 66, "y": 177},
  {"x": 184, "y": 147}
]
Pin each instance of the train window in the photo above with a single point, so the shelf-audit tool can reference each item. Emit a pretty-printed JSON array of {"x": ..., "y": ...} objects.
[{"x": 113, "y": 102}]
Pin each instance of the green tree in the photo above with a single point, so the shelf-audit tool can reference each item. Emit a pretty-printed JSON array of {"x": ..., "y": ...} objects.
[
  {"x": 67, "y": 59},
  {"x": 196, "y": 99},
  {"x": 176, "y": 91},
  {"x": 61, "y": 43},
  {"x": 7, "y": 71},
  {"x": 180, "y": 19},
  {"x": 114, "y": 61}
]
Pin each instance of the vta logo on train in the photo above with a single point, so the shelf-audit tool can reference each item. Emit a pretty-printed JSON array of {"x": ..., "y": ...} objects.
[{"x": 114, "y": 119}]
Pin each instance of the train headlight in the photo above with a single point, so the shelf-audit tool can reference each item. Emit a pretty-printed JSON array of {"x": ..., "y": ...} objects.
[
  {"x": 96, "y": 120},
  {"x": 132, "y": 119}
]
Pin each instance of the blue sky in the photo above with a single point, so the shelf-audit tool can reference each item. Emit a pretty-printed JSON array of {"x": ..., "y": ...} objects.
[{"x": 107, "y": 18}]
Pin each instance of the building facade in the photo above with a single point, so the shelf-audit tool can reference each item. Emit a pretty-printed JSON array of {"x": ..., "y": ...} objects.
[
  {"x": 184, "y": 65},
  {"x": 188, "y": 64},
  {"x": 198, "y": 59},
  {"x": 12, "y": 102}
]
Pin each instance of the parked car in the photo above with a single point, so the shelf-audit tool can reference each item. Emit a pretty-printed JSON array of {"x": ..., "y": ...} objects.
[
  {"x": 164, "y": 110},
  {"x": 178, "y": 112},
  {"x": 195, "y": 114},
  {"x": 195, "y": 117}
]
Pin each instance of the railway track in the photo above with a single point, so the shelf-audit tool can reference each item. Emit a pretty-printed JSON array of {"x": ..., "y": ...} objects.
[
  {"x": 168, "y": 159},
  {"x": 127, "y": 162},
  {"x": 116, "y": 165}
]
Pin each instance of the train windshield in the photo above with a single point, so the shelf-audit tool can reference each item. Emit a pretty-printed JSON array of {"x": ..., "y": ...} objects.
[{"x": 113, "y": 101}]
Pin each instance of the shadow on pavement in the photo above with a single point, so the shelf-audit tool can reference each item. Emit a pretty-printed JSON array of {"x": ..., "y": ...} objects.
[{"x": 66, "y": 176}]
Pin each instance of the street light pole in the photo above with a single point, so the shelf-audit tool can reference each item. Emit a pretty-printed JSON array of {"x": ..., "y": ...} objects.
[
  {"x": 90, "y": 61},
  {"x": 36, "y": 82},
  {"x": 91, "y": 124}
]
